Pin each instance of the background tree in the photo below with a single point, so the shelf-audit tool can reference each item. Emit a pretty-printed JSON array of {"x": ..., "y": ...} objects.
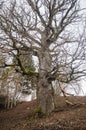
[
  {"x": 9, "y": 89},
  {"x": 44, "y": 29}
]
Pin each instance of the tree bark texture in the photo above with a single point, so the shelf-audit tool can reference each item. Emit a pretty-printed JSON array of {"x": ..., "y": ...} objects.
[
  {"x": 45, "y": 91},
  {"x": 45, "y": 97}
]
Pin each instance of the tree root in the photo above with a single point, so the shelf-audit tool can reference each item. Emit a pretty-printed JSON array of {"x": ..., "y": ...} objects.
[{"x": 69, "y": 103}]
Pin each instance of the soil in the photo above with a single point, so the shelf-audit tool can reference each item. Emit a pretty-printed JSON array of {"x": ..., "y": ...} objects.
[{"x": 65, "y": 117}]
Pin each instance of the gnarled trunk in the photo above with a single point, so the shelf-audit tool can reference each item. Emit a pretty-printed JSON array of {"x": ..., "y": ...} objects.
[
  {"x": 45, "y": 97},
  {"x": 45, "y": 91}
]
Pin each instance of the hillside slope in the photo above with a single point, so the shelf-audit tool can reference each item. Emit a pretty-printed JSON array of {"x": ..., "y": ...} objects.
[{"x": 63, "y": 118}]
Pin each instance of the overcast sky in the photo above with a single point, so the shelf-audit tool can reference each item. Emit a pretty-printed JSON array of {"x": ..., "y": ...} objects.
[{"x": 83, "y": 5}]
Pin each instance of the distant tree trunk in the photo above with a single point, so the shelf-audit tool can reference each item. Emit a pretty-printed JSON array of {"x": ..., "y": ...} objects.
[{"x": 45, "y": 92}]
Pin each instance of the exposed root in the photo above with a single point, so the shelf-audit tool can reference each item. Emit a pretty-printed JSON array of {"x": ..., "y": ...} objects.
[{"x": 69, "y": 103}]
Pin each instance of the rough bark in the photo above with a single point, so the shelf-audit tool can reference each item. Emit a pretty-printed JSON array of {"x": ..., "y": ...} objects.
[
  {"x": 45, "y": 92},
  {"x": 45, "y": 97}
]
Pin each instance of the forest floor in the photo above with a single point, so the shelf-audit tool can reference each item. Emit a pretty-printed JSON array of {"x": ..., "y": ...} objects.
[{"x": 23, "y": 117}]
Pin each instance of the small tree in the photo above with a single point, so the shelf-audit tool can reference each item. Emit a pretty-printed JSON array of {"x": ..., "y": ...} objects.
[{"x": 44, "y": 29}]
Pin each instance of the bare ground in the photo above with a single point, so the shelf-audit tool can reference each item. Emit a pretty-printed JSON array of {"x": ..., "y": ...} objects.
[{"x": 64, "y": 117}]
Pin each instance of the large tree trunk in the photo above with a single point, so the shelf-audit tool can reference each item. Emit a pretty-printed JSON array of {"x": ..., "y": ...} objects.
[
  {"x": 45, "y": 97},
  {"x": 45, "y": 91}
]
